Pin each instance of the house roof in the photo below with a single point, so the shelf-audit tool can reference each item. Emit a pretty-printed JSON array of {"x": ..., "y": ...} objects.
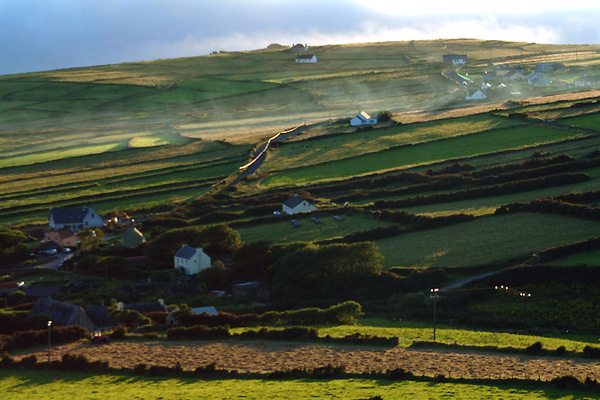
[
  {"x": 364, "y": 116},
  {"x": 146, "y": 307},
  {"x": 186, "y": 252},
  {"x": 58, "y": 312},
  {"x": 304, "y": 56},
  {"x": 210, "y": 310},
  {"x": 132, "y": 231},
  {"x": 69, "y": 215},
  {"x": 472, "y": 91},
  {"x": 293, "y": 201},
  {"x": 99, "y": 316}
]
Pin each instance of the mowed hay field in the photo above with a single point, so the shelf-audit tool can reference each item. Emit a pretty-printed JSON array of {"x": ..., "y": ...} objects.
[{"x": 17, "y": 385}]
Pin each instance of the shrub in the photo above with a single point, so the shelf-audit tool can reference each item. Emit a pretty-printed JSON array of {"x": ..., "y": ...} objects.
[{"x": 535, "y": 349}]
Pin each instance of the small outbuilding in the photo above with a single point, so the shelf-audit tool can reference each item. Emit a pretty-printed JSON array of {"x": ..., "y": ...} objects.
[
  {"x": 296, "y": 204},
  {"x": 132, "y": 237},
  {"x": 363, "y": 119}
]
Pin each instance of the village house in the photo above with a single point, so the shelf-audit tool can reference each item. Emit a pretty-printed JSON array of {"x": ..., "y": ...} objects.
[
  {"x": 587, "y": 80},
  {"x": 306, "y": 58},
  {"x": 191, "y": 260},
  {"x": 363, "y": 119},
  {"x": 62, "y": 237},
  {"x": 550, "y": 66},
  {"x": 62, "y": 314},
  {"x": 154, "y": 306},
  {"x": 132, "y": 238},
  {"x": 74, "y": 219},
  {"x": 296, "y": 204},
  {"x": 454, "y": 59},
  {"x": 516, "y": 75},
  {"x": 475, "y": 94},
  {"x": 538, "y": 79}
]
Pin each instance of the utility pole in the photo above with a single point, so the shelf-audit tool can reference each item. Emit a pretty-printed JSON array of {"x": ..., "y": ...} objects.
[{"x": 435, "y": 293}]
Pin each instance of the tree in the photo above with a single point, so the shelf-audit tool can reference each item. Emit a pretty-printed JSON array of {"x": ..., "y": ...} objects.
[
  {"x": 13, "y": 247},
  {"x": 330, "y": 270},
  {"x": 252, "y": 262},
  {"x": 90, "y": 239},
  {"x": 216, "y": 277}
]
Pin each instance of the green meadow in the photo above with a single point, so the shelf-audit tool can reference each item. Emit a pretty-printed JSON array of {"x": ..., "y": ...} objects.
[
  {"x": 486, "y": 240},
  {"x": 425, "y": 153},
  {"x": 77, "y": 385}
]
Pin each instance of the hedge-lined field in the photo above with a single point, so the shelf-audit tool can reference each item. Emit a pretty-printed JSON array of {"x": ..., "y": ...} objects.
[
  {"x": 285, "y": 232},
  {"x": 429, "y": 152},
  {"x": 487, "y": 240}
]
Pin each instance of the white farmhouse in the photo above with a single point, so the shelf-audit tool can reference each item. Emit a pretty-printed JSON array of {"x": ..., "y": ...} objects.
[
  {"x": 74, "y": 219},
  {"x": 296, "y": 204},
  {"x": 473, "y": 94},
  {"x": 191, "y": 259},
  {"x": 363, "y": 119},
  {"x": 454, "y": 59},
  {"x": 306, "y": 58}
]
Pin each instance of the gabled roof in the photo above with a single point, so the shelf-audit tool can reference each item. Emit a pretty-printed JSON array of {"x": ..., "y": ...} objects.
[
  {"x": 210, "y": 310},
  {"x": 293, "y": 201},
  {"x": 364, "y": 116},
  {"x": 99, "y": 316},
  {"x": 58, "y": 312},
  {"x": 132, "y": 231},
  {"x": 304, "y": 56},
  {"x": 69, "y": 215},
  {"x": 186, "y": 252}
]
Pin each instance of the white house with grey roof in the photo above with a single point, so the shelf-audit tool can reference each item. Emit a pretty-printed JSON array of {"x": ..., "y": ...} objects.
[
  {"x": 191, "y": 260},
  {"x": 74, "y": 219},
  {"x": 297, "y": 204},
  {"x": 363, "y": 119},
  {"x": 306, "y": 58}
]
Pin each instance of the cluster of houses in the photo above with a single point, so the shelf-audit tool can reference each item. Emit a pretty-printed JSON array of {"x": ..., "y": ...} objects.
[{"x": 65, "y": 223}]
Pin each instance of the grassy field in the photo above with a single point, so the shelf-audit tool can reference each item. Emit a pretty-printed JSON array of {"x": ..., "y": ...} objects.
[
  {"x": 587, "y": 258},
  {"x": 487, "y": 240},
  {"x": 284, "y": 232},
  {"x": 404, "y": 157},
  {"x": 77, "y": 385}
]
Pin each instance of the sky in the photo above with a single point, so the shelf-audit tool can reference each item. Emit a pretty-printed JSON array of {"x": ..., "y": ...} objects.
[{"x": 38, "y": 35}]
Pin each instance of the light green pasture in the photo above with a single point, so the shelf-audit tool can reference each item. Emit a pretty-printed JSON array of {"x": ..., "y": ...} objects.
[
  {"x": 490, "y": 239},
  {"x": 16, "y": 385}
]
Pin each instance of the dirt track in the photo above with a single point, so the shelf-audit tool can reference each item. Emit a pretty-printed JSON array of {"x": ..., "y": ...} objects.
[{"x": 258, "y": 356}]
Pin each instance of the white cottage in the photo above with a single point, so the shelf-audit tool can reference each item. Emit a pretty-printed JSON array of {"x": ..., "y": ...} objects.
[
  {"x": 475, "y": 94},
  {"x": 74, "y": 219},
  {"x": 306, "y": 58},
  {"x": 191, "y": 259},
  {"x": 296, "y": 204},
  {"x": 454, "y": 59},
  {"x": 363, "y": 119}
]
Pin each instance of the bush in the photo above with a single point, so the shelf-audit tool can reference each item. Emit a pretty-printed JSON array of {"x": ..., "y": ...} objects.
[{"x": 535, "y": 349}]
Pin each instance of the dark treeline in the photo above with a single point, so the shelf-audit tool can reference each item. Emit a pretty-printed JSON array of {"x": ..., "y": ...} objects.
[
  {"x": 486, "y": 191},
  {"x": 552, "y": 206}
]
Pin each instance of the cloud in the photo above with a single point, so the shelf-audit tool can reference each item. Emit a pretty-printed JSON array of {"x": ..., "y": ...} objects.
[{"x": 48, "y": 34}]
